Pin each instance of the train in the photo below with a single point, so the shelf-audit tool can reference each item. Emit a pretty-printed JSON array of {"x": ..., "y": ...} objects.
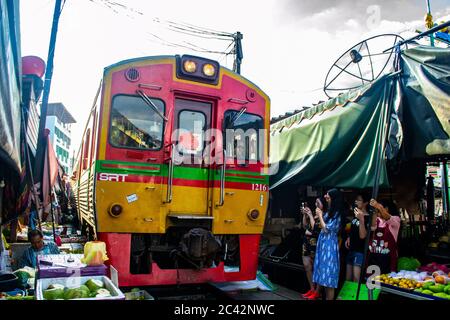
[{"x": 172, "y": 171}]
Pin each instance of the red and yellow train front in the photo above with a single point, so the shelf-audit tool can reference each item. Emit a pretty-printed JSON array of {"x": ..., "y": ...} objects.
[{"x": 168, "y": 207}]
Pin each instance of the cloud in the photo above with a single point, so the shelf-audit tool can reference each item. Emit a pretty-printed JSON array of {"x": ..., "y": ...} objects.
[{"x": 336, "y": 15}]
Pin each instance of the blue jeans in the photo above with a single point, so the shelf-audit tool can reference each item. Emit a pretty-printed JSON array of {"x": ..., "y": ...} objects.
[{"x": 355, "y": 258}]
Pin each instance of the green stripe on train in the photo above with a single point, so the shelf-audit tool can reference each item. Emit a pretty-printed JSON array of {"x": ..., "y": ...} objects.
[{"x": 187, "y": 173}]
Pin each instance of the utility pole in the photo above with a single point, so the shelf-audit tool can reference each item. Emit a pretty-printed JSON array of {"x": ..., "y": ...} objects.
[
  {"x": 239, "y": 55},
  {"x": 429, "y": 22},
  {"x": 39, "y": 162}
]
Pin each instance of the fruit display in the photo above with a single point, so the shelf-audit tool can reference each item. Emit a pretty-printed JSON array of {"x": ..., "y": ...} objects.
[
  {"x": 404, "y": 283},
  {"x": 432, "y": 267},
  {"x": 437, "y": 284},
  {"x": 91, "y": 289},
  {"x": 435, "y": 289}
]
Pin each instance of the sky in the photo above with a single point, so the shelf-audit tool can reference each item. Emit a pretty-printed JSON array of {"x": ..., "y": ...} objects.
[{"x": 288, "y": 45}]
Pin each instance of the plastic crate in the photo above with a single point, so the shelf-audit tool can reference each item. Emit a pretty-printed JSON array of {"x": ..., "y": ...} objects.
[
  {"x": 42, "y": 284},
  {"x": 350, "y": 288}
]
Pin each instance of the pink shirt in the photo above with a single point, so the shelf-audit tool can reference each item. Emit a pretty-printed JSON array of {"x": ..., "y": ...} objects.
[{"x": 393, "y": 224}]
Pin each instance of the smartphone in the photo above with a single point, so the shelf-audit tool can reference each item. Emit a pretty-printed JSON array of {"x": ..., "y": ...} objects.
[
  {"x": 304, "y": 205},
  {"x": 353, "y": 209}
]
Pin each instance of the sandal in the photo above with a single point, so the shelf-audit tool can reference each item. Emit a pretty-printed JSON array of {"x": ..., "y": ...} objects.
[
  {"x": 307, "y": 294},
  {"x": 314, "y": 296}
]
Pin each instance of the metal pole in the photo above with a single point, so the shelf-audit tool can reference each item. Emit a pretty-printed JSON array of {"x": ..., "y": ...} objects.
[
  {"x": 445, "y": 188},
  {"x": 421, "y": 35},
  {"x": 429, "y": 12},
  {"x": 383, "y": 139},
  {"x": 47, "y": 82},
  {"x": 239, "y": 55},
  {"x": 50, "y": 189},
  {"x": 2, "y": 186}
]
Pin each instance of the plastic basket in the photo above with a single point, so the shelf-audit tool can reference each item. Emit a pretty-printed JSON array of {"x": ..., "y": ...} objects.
[
  {"x": 42, "y": 284},
  {"x": 349, "y": 290}
]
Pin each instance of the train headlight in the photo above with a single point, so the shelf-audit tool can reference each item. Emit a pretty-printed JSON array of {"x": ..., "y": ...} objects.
[
  {"x": 253, "y": 214},
  {"x": 209, "y": 70},
  {"x": 190, "y": 66},
  {"x": 115, "y": 210},
  {"x": 197, "y": 69}
]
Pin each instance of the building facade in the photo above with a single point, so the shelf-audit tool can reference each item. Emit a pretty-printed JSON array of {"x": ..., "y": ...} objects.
[{"x": 59, "y": 122}]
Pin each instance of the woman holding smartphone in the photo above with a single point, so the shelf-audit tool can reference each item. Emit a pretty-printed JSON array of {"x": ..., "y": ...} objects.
[
  {"x": 311, "y": 224},
  {"x": 326, "y": 262}
]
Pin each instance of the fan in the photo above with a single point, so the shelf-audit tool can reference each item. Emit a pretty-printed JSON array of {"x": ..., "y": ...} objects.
[{"x": 362, "y": 64}]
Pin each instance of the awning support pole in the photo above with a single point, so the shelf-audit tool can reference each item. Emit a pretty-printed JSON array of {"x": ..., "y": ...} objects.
[{"x": 383, "y": 142}]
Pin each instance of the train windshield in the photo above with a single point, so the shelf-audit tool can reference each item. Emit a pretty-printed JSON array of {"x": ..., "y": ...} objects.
[
  {"x": 134, "y": 124},
  {"x": 243, "y": 135}
]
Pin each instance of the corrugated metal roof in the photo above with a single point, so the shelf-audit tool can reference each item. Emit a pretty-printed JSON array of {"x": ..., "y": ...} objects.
[{"x": 60, "y": 111}]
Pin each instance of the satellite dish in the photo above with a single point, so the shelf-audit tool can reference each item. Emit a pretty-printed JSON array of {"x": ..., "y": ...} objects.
[{"x": 362, "y": 64}]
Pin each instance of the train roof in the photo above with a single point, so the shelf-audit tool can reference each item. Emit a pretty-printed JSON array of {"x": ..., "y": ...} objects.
[{"x": 117, "y": 64}]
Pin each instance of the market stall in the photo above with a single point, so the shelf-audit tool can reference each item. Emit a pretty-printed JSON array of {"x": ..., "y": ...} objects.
[
  {"x": 430, "y": 282},
  {"x": 63, "y": 276}
]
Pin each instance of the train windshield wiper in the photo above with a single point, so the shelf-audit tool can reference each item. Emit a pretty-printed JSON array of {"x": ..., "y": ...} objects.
[
  {"x": 150, "y": 103},
  {"x": 237, "y": 116}
]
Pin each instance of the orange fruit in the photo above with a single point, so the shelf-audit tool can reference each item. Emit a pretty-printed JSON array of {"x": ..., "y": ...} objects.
[{"x": 440, "y": 279}]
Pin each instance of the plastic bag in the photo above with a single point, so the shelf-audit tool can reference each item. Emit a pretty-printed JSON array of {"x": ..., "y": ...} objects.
[{"x": 94, "y": 253}]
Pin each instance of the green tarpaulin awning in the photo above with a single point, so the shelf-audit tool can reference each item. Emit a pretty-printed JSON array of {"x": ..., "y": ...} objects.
[{"x": 337, "y": 143}]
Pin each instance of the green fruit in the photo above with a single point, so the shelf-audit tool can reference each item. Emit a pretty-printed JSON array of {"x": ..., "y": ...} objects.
[
  {"x": 135, "y": 290},
  {"x": 55, "y": 285},
  {"x": 103, "y": 293},
  {"x": 427, "y": 285},
  {"x": 418, "y": 290},
  {"x": 428, "y": 292},
  {"x": 94, "y": 285},
  {"x": 76, "y": 293},
  {"x": 437, "y": 288},
  {"x": 53, "y": 293},
  {"x": 85, "y": 290},
  {"x": 447, "y": 289},
  {"x": 441, "y": 295}
]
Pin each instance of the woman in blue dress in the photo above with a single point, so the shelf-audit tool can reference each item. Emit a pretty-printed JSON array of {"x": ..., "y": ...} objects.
[{"x": 326, "y": 262}]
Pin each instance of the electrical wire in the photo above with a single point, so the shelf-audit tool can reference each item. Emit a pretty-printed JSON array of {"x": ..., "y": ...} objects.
[
  {"x": 172, "y": 44},
  {"x": 176, "y": 27},
  {"x": 62, "y": 7},
  {"x": 195, "y": 29}
]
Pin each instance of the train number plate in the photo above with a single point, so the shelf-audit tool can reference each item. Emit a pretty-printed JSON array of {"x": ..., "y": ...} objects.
[{"x": 259, "y": 187}]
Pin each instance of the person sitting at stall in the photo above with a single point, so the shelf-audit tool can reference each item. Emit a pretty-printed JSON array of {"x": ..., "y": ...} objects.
[
  {"x": 383, "y": 250},
  {"x": 38, "y": 247},
  {"x": 356, "y": 239}
]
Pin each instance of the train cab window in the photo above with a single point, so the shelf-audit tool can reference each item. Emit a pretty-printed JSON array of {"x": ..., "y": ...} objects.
[
  {"x": 242, "y": 136},
  {"x": 134, "y": 124},
  {"x": 191, "y": 130}
]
